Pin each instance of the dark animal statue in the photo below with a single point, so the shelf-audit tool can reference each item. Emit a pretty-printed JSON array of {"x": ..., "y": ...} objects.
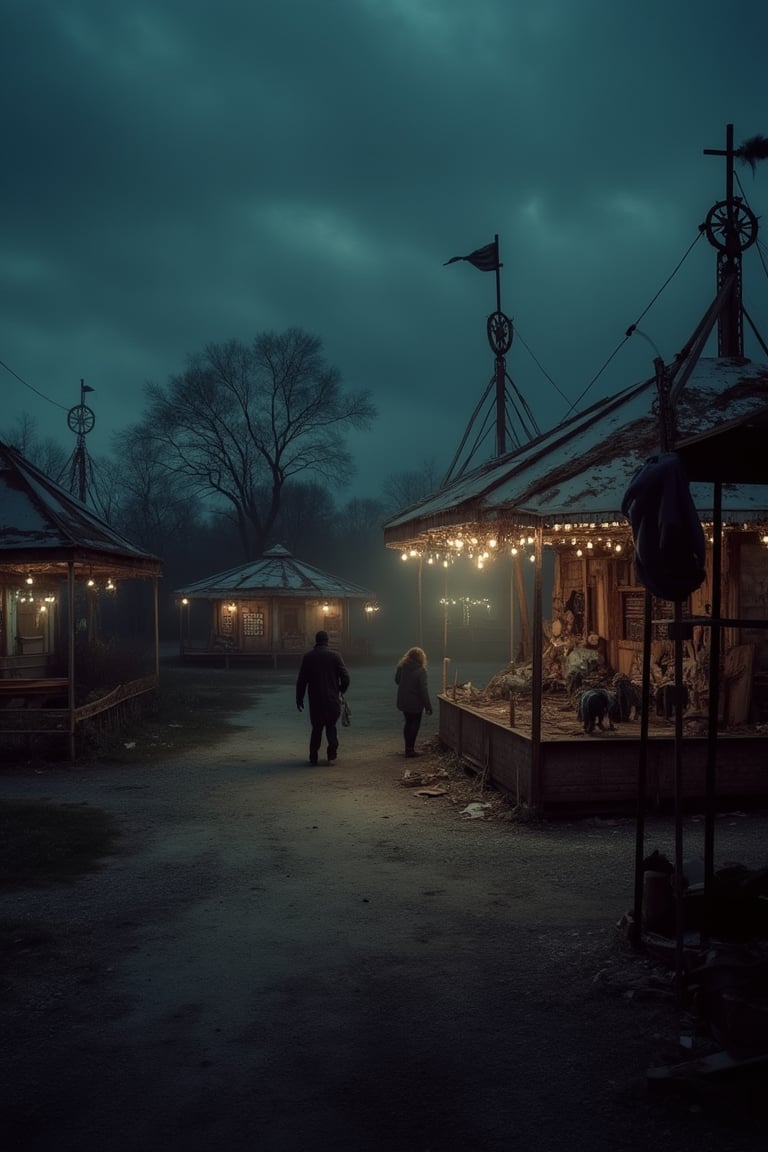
[
  {"x": 595, "y": 706},
  {"x": 666, "y": 699},
  {"x": 629, "y": 697}
]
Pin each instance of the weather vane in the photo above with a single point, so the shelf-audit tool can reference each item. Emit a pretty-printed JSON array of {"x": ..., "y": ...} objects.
[
  {"x": 500, "y": 332},
  {"x": 731, "y": 227},
  {"x": 81, "y": 420}
]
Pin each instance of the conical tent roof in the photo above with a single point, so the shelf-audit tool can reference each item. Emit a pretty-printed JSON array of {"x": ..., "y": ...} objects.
[
  {"x": 277, "y": 572},
  {"x": 42, "y": 526}
]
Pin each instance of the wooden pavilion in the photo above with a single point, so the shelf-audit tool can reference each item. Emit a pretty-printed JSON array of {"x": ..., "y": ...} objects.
[
  {"x": 57, "y": 560},
  {"x": 558, "y": 499},
  {"x": 270, "y": 609}
]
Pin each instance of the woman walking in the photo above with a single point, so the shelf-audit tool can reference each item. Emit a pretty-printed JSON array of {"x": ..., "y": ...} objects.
[{"x": 412, "y": 694}]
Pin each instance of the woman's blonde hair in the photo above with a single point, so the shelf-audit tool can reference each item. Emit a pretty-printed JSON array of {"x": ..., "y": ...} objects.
[{"x": 413, "y": 656}]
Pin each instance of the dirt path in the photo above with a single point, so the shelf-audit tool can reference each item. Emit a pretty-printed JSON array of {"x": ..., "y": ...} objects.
[{"x": 288, "y": 959}]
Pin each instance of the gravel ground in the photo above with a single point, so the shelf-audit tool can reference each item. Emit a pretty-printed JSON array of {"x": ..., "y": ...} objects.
[{"x": 295, "y": 959}]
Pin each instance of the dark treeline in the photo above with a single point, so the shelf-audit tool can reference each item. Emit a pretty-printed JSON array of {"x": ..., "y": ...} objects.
[{"x": 243, "y": 450}]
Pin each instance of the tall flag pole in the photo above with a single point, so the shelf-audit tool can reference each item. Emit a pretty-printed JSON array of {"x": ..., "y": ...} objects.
[
  {"x": 500, "y": 335},
  {"x": 731, "y": 227},
  {"x": 81, "y": 420}
]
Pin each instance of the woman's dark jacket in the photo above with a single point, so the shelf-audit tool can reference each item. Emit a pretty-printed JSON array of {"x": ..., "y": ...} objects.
[
  {"x": 324, "y": 675},
  {"x": 412, "y": 691}
]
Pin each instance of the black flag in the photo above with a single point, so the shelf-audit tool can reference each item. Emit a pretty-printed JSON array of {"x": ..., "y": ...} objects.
[{"x": 485, "y": 258}]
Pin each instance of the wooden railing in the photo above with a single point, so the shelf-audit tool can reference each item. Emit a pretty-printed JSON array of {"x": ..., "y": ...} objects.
[{"x": 36, "y": 719}]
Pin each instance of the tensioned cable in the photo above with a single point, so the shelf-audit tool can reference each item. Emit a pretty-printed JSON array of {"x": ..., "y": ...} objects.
[
  {"x": 755, "y": 332},
  {"x": 539, "y": 366},
  {"x": 633, "y": 327},
  {"x": 758, "y": 243},
  {"x": 760, "y": 247},
  {"x": 35, "y": 390}
]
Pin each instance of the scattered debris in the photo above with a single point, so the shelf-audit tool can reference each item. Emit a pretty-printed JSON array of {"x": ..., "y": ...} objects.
[
  {"x": 702, "y": 1066},
  {"x": 475, "y": 811}
]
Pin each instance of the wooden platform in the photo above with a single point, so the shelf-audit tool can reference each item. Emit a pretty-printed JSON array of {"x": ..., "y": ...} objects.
[
  {"x": 233, "y": 657},
  {"x": 571, "y": 772},
  {"x": 286, "y": 656}
]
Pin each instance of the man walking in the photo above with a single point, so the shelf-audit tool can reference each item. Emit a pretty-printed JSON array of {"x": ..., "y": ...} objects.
[{"x": 324, "y": 676}]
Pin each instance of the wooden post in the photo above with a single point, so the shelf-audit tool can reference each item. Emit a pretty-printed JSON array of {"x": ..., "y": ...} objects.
[
  {"x": 534, "y": 790},
  {"x": 522, "y": 607},
  {"x": 71, "y": 654}
]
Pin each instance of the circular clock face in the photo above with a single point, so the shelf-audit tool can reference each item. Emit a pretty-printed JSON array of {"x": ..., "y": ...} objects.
[{"x": 81, "y": 419}]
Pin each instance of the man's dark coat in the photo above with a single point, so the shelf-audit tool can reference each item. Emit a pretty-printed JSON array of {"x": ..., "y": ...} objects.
[{"x": 324, "y": 675}]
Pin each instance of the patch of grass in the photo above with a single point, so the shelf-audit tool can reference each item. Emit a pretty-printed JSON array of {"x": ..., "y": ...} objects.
[
  {"x": 192, "y": 708},
  {"x": 44, "y": 843}
]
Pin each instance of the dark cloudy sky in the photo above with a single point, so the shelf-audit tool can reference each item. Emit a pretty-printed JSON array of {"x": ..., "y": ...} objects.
[{"x": 177, "y": 172}]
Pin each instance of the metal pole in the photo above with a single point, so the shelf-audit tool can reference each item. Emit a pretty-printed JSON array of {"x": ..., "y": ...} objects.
[
  {"x": 421, "y": 603},
  {"x": 511, "y": 610},
  {"x": 679, "y": 891},
  {"x": 445, "y": 614},
  {"x": 636, "y": 932},
  {"x": 713, "y": 708},
  {"x": 501, "y": 406},
  {"x": 71, "y": 656},
  {"x": 498, "y": 273},
  {"x": 537, "y": 676}
]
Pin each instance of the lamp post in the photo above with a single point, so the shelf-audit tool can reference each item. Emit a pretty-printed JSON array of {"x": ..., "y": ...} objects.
[{"x": 183, "y": 604}]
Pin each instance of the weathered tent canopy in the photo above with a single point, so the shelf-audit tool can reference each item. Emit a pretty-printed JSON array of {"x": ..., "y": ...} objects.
[
  {"x": 43, "y": 527},
  {"x": 271, "y": 606},
  {"x": 579, "y": 471},
  {"x": 565, "y": 489},
  {"x": 277, "y": 571}
]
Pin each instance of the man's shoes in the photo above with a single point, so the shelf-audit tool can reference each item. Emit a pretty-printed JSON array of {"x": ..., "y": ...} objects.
[
  {"x": 411, "y": 752},
  {"x": 312, "y": 762},
  {"x": 331, "y": 757}
]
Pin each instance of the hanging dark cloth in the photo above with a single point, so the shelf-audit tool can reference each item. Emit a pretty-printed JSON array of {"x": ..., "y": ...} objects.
[{"x": 669, "y": 540}]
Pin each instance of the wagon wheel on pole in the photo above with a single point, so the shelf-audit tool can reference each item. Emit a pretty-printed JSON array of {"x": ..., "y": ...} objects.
[
  {"x": 500, "y": 333},
  {"x": 728, "y": 219},
  {"x": 81, "y": 419}
]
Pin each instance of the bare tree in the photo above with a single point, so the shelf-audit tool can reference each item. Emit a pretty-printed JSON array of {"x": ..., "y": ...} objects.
[
  {"x": 243, "y": 420},
  {"x": 46, "y": 453},
  {"x": 358, "y": 540},
  {"x": 143, "y": 499},
  {"x": 306, "y": 520},
  {"x": 403, "y": 489}
]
